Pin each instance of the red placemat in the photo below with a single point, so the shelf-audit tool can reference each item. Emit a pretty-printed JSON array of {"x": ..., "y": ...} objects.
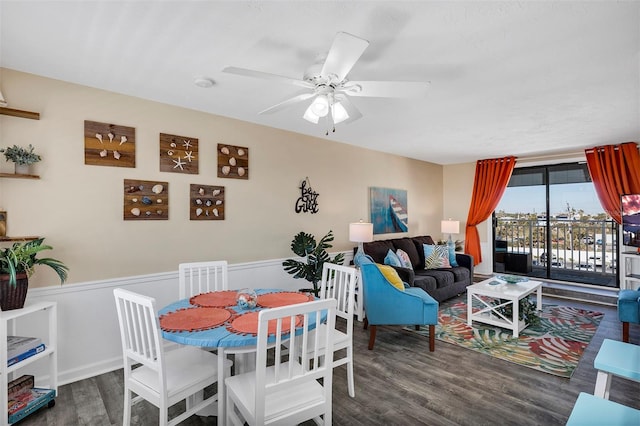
[
  {"x": 215, "y": 299},
  {"x": 275, "y": 300},
  {"x": 248, "y": 324},
  {"x": 194, "y": 319}
]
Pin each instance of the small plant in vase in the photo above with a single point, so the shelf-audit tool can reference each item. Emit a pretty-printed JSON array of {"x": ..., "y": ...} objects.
[
  {"x": 22, "y": 157},
  {"x": 17, "y": 265}
]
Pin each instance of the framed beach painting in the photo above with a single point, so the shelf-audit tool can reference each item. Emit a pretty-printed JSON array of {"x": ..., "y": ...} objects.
[{"x": 388, "y": 209}]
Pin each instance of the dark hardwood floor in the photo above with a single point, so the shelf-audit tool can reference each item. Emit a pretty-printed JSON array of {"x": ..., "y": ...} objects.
[{"x": 400, "y": 383}]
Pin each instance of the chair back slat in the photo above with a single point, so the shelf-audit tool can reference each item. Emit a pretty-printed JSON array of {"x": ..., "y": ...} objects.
[{"x": 202, "y": 277}]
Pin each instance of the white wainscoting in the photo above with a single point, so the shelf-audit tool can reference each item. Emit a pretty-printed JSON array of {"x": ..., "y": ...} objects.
[{"x": 88, "y": 332}]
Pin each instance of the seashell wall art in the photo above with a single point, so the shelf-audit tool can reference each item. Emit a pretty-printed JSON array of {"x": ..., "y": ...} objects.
[
  {"x": 109, "y": 144},
  {"x": 233, "y": 162},
  {"x": 178, "y": 154},
  {"x": 206, "y": 202},
  {"x": 146, "y": 200}
]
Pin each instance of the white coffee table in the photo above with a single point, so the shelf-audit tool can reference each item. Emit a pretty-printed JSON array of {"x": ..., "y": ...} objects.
[{"x": 511, "y": 295}]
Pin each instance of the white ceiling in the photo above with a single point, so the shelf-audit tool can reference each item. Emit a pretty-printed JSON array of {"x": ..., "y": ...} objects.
[{"x": 507, "y": 78}]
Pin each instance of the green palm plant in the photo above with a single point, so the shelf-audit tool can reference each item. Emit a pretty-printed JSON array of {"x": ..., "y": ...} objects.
[
  {"x": 315, "y": 256},
  {"x": 22, "y": 258}
]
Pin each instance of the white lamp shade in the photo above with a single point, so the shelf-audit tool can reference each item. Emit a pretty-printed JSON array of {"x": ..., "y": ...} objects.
[
  {"x": 338, "y": 112},
  {"x": 361, "y": 232},
  {"x": 320, "y": 105},
  {"x": 450, "y": 226},
  {"x": 310, "y": 116}
]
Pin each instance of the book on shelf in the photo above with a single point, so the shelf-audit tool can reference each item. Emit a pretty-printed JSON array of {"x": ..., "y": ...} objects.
[
  {"x": 19, "y": 385},
  {"x": 17, "y": 345},
  {"x": 25, "y": 403},
  {"x": 25, "y": 355}
]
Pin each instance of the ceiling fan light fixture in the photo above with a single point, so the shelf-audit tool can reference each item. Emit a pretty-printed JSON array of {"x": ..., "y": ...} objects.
[
  {"x": 338, "y": 112},
  {"x": 320, "y": 106},
  {"x": 310, "y": 116}
]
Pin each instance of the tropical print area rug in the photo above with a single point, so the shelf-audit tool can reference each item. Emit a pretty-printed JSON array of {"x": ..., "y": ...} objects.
[{"x": 555, "y": 346}]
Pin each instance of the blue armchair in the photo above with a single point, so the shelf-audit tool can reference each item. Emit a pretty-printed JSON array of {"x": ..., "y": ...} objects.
[
  {"x": 386, "y": 305},
  {"x": 628, "y": 310}
]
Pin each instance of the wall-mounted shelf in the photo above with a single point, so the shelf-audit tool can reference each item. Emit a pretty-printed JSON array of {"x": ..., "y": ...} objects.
[
  {"x": 5, "y": 238},
  {"x": 18, "y": 176},
  {"x": 20, "y": 113}
]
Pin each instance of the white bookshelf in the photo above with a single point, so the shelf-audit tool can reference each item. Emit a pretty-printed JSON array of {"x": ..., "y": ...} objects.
[
  {"x": 49, "y": 356},
  {"x": 630, "y": 270}
]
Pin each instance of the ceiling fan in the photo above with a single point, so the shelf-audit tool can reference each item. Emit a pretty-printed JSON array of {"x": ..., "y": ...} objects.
[{"x": 327, "y": 83}]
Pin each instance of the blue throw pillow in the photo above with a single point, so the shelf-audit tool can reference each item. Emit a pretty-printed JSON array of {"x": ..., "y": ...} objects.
[
  {"x": 392, "y": 259},
  {"x": 452, "y": 256},
  {"x": 361, "y": 259}
]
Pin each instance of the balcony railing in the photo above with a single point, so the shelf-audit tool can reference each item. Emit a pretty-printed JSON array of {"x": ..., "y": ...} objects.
[{"x": 577, "y": 248}]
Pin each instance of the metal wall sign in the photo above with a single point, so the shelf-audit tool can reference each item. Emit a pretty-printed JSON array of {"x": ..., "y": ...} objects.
[{"x": 308, "y": 200}]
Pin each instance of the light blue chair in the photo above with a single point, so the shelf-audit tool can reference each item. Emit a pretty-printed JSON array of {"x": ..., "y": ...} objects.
[
  {"x": 628, "y": 310},
  {"x": 386, "y": 305}
]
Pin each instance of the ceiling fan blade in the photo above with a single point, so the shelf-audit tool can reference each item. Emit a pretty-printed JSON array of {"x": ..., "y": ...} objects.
[
  {"x": 354, "y": 113},
  {"x": 267, "y": 76},
  {"x": 387, "y": 89},
  {"x": 344, "y": 53},
  {"x": 287, "y": 103}
]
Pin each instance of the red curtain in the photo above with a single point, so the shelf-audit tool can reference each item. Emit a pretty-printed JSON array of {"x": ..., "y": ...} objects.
[
  {"x": 615, "y": 171},
  {"x": 492, "y": 177}
]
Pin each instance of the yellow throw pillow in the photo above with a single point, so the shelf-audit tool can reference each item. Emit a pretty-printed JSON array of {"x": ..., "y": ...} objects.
[{"x": 392, "y": 276}]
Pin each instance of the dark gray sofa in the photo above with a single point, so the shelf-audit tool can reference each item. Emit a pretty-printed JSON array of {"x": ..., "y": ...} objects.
[{"x": 441, "y": 284}]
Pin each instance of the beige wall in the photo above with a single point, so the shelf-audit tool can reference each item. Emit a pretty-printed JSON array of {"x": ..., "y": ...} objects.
[{"x": 78, "y": 208}]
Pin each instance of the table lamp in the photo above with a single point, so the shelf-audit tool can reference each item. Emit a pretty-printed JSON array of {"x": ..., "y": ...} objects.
[
  {"x": 360, "y": 232},
  {"x": 450, "y": 227}
]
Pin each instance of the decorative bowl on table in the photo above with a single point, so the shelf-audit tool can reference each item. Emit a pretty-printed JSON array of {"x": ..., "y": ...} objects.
[
  {"x": 512, "y": 279},
  {"x": 246, "y": 298}
]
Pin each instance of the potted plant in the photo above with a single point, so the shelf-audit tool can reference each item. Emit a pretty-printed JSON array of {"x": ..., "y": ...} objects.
[
  {"x": 17, "y": 265},
  {"x": 22, "y": 157},
  {"x": 314, "y": 257}
]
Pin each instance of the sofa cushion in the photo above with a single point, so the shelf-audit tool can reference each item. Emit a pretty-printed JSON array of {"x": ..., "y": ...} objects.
[
  {"x": 436, "y": 257},
  {"x": 392, "y": 259},
  {"x": 452, "y": 256},
  {"x": 392, "y": 276},
  {"x": 378, "y": 249},
  {"x": 407, "y": 245},
  {"x": 460, "y": 273},
  {"x": 443, "y": 277},
  {"x": 418, "y": 242},
  {"x": 425, "y": 282},
  {"x": 403, "y": 257}
]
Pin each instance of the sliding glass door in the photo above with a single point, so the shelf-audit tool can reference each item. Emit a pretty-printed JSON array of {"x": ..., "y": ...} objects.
[{"x": 549, "y": 224}]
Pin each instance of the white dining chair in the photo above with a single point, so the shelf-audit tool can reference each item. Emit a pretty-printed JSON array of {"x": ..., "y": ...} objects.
[
  {"x": 285, "y": 392},
  {"x": 339, "y": 282},
  {"x": 202, "y": 277},
  {"x": 162, "y": 378}
]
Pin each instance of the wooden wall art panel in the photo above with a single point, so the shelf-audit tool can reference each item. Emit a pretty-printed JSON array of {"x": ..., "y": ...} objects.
[
  {"x": 206, "y": 202},
  {"x": 233, "y": 161},
  {"x": 109, "y": 144},
  {"x": 146, "y": 200},
  {"x": 178, "y": 154}
]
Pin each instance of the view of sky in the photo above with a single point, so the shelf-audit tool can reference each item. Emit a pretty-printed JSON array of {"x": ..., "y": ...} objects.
[{"x": 531, "y": 199}]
